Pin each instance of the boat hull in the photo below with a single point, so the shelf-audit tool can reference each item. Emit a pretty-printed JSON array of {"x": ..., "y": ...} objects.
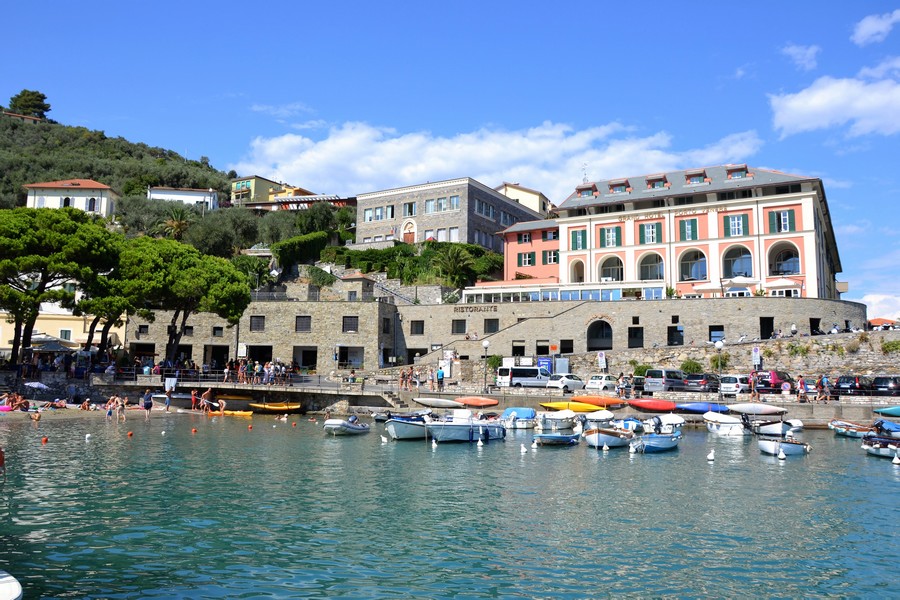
[
  {"x": 756, "y": 408},
  {"x": 887, "y": 428},
  {"x": 573, "y": 406},
  {"x": 611, "y": 438},
  {"x": 655, "y": 442},
  {"x": 790, "y": 447},
  {"x": 882, "y": 447},
  {"x": 485, "y": 431},
  {"x": 438, "y": 403},
  {"x": 891, "y": 411},
  {"x": 652, "y": 405},
  {"x": 276, "y": 407},
  {"x": 699, "y": 408},
  {"x": 477, "y": 401},
  {"x": 776, "y": 428},
  {"x": 555, "y": 421},
  {"x": 557, "y": 439},
  {"x": 403, "y": 429},
  {"x": 600, "y": 401},
  {"x": 724, "y": 425},
  {"x": 849, "y": 429},
  {"x": 341, "y": 427}
]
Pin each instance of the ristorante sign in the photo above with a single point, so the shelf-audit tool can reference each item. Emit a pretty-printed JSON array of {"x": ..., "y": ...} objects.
[{"x": 483, "y": 308}]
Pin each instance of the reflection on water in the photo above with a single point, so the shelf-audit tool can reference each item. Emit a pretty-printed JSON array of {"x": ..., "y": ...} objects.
[{"x": 288, "y": 511}]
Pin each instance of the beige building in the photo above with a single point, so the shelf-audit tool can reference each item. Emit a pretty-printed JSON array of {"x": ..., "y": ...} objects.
[{"x": 527, "y": 197}]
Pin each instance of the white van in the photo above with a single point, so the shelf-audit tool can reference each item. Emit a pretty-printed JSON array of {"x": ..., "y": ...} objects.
[
  {"x": 664, "y": 380},
  {"x": 522, "y": 377}
]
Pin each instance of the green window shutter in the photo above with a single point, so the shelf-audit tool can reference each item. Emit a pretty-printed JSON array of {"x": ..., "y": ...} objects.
[
  {"x": 792, "y": 225},
  {"x": 582, "y": 235},
  {"x": 682, "y": 230},
  {"x": 695, "y": 231},
  {"x": 574, "y": 238},
  {"x": 519, "y": 238},
  {"x": 603, "y": 238},
  {"x": 544, "y": 236},
  {"x": 531, "y": 256},
  {"x": 520, "y": 259},
  {"x": 618, "y": 236},
  {"x": 659, "y": 233},
  {"x": 745, "y": 225},
  {"x": 543, "y": 257},
  {"x": 726, "y": 228},
  {"x": 773, "y": 222},
  {"x": 641, "y": 239}
]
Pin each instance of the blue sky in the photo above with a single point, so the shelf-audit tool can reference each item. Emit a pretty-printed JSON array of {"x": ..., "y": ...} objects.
[{"x": 352, "y": 97}]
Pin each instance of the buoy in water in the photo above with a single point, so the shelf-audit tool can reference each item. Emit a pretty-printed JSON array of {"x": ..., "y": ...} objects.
[
  {"x": 164, "y": 433},
  {"x": 712, "y": 455},
  {"x": 896, "y": 460},
  {"x": 294, "y": 424},
  {"x": 249, "y": 427},
  {"x": 781, "y": 454},
  {"x": 194, "y": 430},
  {"x": 44, "y": 440},
  {"x": 87, "y": 436},
  {"x": 130, "y": 434}
]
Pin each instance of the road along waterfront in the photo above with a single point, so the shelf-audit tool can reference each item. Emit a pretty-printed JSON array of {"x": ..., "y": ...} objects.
[{"x": 285, "y": 511}]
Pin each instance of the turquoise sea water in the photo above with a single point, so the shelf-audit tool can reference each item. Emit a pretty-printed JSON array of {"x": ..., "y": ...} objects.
[{"x": 287, "y": 512}]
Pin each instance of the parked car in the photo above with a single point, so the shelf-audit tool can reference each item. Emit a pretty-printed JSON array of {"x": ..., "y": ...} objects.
[
  {"x": 732, "y": 385},
  {"x": 567, "y": 382},
  {"x": 663, "y": 380},
  {"x": 701, "y": 382},
  {"x": 522, "y": 377},
  {"x": 886, "y": 385},
  {"x": 603, "y": 382},
  {"x": 773, "y": 382},
  {"x": 853, "y": 385}
]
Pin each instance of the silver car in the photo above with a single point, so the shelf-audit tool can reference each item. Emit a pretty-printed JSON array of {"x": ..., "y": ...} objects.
[
  {"x": 732, "y": 385},
  {"x": 567, "y": 382}
]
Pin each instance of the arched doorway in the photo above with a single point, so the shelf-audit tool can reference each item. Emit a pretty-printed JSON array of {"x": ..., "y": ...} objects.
[
  {"x": 409, "y": 232},
  {"x": 599, "y": 336},
  {"x": 577, "y": 272}
]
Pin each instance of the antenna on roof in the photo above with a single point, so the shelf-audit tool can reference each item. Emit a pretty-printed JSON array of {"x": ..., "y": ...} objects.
[{"x": 584, "y": 178}]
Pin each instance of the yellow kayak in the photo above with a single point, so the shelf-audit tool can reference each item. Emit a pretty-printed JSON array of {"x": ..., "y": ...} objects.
[
  {"x": 573, "y": 406},
  {"x": 231, "y": 413},
  {"x": 279, "y": 407}
]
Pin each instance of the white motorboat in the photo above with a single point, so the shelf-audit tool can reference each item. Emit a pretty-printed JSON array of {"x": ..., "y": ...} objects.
[
  {"x": 463, "y": 427},
  {"x": 556, "y": 420},
  {"x": 664, "y": 423},
  {"x": 598, "y": 419},
  {"x": 608, "y": 437},
  {"x": 789, "y": 446},
  {"x": 519, "y": 417},
  {"x": 724, "y": 425},
  {"x": 351, "y": 426},
  {"x": 407, "y": 428},
  {"x": 777, "y": 428},
  {"x": 655, "y": 442}
]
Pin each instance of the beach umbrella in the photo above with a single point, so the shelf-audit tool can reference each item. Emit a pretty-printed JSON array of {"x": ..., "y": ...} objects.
[
  {"x": 52, "y": 347},
  {"x": 36, "y": 385}
]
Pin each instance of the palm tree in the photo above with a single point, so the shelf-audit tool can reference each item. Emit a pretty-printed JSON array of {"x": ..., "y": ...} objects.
[
  {"x": 176, "y": 222},
  {"x": 454, "y": 265}
]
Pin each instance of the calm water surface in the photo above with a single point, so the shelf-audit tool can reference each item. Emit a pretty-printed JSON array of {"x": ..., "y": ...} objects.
[{"x": 288, "y": 512}]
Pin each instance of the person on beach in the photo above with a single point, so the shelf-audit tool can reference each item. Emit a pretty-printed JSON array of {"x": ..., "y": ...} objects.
[
  {"x": 206, "y": 401},
  {"x": 194, "y": 399},
  {"x": 148, "y": 404},
  {"x": 110, "y": 403},
  {"x": 120, "y": 409},
  {"x": 168, "y": 399}
]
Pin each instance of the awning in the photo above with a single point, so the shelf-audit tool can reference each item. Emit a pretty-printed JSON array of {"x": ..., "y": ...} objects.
[
  {"x": 780, "y": 284},
  {"x": 711, "y": 286}
]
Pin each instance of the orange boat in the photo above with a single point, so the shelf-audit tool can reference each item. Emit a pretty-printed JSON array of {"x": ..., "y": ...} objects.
[
  {"x": 477, "y": 401},
  {"x": 601, "y": 401}
]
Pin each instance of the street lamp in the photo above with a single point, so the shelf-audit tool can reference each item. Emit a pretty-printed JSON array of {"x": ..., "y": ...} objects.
[
  {"x": 485, "y": 344},
  {"x": 719, "y": 345}
]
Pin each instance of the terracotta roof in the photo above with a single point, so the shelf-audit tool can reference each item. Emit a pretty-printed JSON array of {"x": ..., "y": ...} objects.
[{"x": 89, "y": 184}]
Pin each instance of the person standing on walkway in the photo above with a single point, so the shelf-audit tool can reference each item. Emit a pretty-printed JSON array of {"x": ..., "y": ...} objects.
[
  {"x": 148, "y": 403},
  {"x": 431, "y": 379},
  {"x": 754, "y": 387},
  {"x": 440, "y": 379},
  {"x": 801, "y": 389}
]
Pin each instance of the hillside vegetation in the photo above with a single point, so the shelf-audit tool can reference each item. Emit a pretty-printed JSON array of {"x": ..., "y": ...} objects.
[{"x": 31, "y": 153}]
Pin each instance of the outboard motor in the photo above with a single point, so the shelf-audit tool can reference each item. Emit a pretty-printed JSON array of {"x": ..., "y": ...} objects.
[
  {"x": 353, "y": 419},
  {"x": 657, "y": 425}
]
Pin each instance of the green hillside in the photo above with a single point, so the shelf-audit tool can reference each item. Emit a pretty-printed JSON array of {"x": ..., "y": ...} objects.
[{"x": 31, "y": 153}]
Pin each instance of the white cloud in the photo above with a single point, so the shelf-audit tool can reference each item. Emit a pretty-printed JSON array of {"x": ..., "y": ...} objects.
[
  {"x": 357, "y": 157},
  {"x": 803, "y": 57},
  {"x": 880, "y": 305},
  {"x": 853, "y": 228},
  {"x": 874, "y": 28},
  {"x": 311, "y": 124},
  {"x": 281, "y": 111},
  {"x": 869, "y": 107},
  {"x": 889, "y": 67}
]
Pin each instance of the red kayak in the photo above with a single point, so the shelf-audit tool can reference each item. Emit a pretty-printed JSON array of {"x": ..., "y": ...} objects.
[
  {"x": 652, "y": 405},
  {"x": 477, "y": 401},
  {"x": 601, "y": 401}
]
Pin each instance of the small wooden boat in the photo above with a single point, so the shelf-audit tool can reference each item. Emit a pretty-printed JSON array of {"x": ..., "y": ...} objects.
[
  {"x": 701, "y": 407},
  {"x": 849, "y": 429},
  {"x": 601, "y": 401},
  {"x": 789, "y": 446},
  {"x": 477, "y": 401},
  {"x": 557, "y": 439},
  {"x": 756, "y": 408},
  {"x": 650, "y": 405},
  {"x": 885, "y": 447},
  {"x": 607, "y": 436},
  {"x": 655, "y": 442},
  {"x": 438, "y": 403},
  {"x": 725, "y": 425},
  {"x": 351, "y": 426},
  {"x": 573, "y": 406},
  {"x": 276, "y": 407},
  {"x": 891, "y": 411}
]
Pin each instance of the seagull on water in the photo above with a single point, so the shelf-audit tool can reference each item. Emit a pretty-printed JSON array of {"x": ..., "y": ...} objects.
[
  {"x": 712, "y": 455},
  {"x": 534, "y": 444},
  {"x": 523, "y": 449}
]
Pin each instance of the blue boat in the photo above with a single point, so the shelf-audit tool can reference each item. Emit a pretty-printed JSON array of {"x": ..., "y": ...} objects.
[
  {"x": 655, "y": 442},
  {"x": 557, "y": 439},
  {"x": 891, "y": 411},
  {"x": 887, "y": 428},
  {"x": 700, "y": 408}
]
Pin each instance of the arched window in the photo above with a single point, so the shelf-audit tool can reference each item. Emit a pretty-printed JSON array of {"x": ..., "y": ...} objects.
[
  {"x": 652, "y": 267},
  {"x": 737, "y": 262},
  {"x": 692, "y": 266},
  {"x": 577, "y": 272},
  {"x": 67, "y": 202},
  {"x": 611, "y": 269},
  {"x": 785, "y": 261},
  {"x": 599, "y": 336},
  {"x": 92, "y": 205}
]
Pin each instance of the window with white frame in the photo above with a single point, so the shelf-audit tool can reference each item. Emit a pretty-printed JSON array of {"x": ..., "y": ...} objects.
[
  {"x": 526, "y": 259},
  {"x": 389, "y": 212},
  {"x": 429, "y": 206},
  {"x": 579, "y": 239},
  {"x": 65, "y": 334},
  {"x": 611, "y": 236},
  {"x": 735, "y": 225},
  {"x": 429, "y": 234},
  {"x": 788, "y": 293},
  {"x": 367, "y": 215},
  {"x": 550, "y": 257},
  {"x": 454, "y": 234},
  {"x": 409, "y": 209},
  {"x": 442, "y": 235},
  {"x": 379, "y": 213},
  {"x": 550, "y": 234},
  {"x": 524, "y": 238},
  {"x": 649, "y": 233},
  {"x": 454, "y": 202}
]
